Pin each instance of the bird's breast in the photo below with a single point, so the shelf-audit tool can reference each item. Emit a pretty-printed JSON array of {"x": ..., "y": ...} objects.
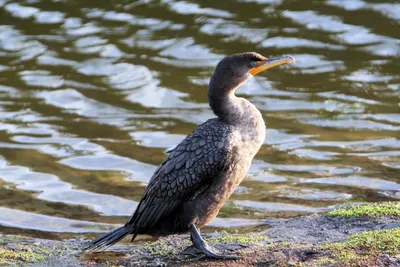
[{"x": 251, "y": 131}]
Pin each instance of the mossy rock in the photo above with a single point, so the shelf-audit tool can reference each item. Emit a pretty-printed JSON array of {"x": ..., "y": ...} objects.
[
  {"x": 390, "y": 209},
  {"x": 365, "y": 248}
]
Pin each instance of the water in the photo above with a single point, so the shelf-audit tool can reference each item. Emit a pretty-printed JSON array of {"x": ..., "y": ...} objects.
[{"x": 92, "y": 94}]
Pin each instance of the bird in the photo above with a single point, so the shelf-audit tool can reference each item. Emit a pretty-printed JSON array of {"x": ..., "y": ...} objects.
[{"x": 196, "y": 178}]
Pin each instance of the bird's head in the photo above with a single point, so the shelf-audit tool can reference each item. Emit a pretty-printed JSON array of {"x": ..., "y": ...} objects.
[{"x": 233, "y": 71}]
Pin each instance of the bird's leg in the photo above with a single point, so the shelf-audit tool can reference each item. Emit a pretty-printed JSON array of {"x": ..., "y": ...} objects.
[{"x": 201, "y": 245}]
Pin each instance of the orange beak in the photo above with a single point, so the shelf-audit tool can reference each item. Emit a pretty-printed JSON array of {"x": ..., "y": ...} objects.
[{"x": 270, "y": 63}]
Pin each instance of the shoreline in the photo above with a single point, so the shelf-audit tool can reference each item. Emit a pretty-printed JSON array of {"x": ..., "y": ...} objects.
[{"x": 357, "y": 235}]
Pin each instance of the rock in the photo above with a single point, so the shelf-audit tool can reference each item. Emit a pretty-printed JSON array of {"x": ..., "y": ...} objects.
[{"x": 391, "y": 225}]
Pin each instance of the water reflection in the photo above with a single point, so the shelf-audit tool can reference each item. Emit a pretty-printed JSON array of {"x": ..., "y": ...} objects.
[{"x": 93, "y": 93}]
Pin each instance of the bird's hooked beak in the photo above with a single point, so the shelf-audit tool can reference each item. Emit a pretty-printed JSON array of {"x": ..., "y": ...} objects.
[{"x": 270, "y": 63}]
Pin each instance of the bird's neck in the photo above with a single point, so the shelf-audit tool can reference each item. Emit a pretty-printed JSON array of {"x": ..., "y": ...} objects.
[
  {"x": 239, "y": 112},
  {"x": 225, "y": 105}
]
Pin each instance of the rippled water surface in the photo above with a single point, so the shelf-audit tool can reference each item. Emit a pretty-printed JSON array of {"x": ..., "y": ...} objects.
[{"x": 92, "y": 94}]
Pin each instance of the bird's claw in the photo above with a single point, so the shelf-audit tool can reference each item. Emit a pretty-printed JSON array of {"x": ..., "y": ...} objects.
[{"x": 208, "y": 250}]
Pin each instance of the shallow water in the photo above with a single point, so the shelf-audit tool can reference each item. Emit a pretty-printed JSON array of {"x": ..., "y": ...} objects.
[{"x": 92, "y": 94}]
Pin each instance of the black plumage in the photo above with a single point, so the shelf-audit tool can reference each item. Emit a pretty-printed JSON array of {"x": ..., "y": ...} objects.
[{"x": 200, "y": 173}]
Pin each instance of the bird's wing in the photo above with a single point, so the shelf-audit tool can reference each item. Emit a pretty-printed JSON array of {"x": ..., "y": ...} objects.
[{"x": 188, "y": 168}]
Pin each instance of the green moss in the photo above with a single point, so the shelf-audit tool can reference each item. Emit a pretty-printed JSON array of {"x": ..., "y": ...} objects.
[
  {"x": 18, "y": 256},
  {"x": 225, "y": 238},
  {"x": 365, "y": 248},
  {"x": 373, "y": 210},
  {"x": 323, "y": 261},
  {"x": 280, "y": 245},
  {"x": 21, "y": 251},
  {"x": 165, "y": 247}
]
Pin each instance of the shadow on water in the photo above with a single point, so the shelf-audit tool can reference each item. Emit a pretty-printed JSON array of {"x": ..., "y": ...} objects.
[{"x": 92, "y": 94}]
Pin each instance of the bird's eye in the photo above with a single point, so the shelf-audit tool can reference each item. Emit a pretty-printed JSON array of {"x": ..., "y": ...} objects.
[{"x": 253, "y": 64}]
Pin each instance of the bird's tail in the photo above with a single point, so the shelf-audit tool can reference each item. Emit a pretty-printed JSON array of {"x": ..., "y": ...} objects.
[{"x": 108, "y": 239}]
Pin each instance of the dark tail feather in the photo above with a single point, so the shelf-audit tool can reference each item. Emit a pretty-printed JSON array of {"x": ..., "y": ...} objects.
[{"x": 108, "y": 239}]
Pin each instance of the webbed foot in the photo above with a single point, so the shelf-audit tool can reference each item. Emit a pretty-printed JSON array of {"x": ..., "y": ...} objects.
[{"x": 208, "y": 250}]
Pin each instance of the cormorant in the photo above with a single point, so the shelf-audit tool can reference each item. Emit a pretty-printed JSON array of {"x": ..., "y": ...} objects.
[{"x": 192, "y": 184}]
